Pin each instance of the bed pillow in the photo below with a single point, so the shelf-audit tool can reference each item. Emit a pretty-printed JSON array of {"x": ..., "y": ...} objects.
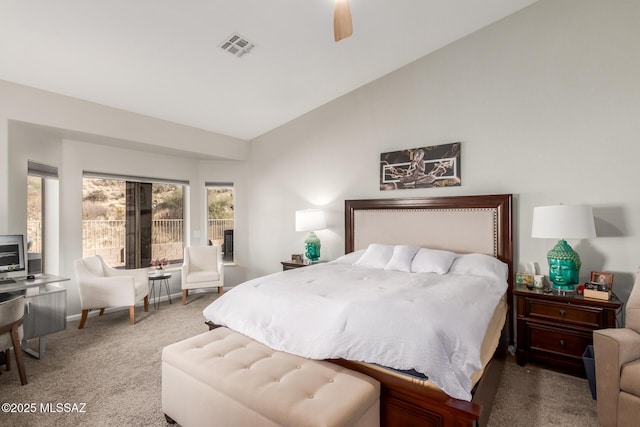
[
  {"x": 432, "y": 261},
  {"x": 375, "y": 256},
  {"x": 401, "y": 258},
  {"x": 349, "y": 258},
  {"x": 480, "y": 265}
]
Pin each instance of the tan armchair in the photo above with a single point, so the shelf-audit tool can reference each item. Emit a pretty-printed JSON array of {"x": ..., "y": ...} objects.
[
  {"x": 202, "y": 268},
  {"x": 103, "y": 286},
  {"x": 11, "y": 317},
  {"x": 617, "y": 360}
]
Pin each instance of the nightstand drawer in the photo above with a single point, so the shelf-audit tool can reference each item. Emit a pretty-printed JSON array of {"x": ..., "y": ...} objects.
[
  {"x": 558, "y": 341},
  {"x": 590, "y": 317},
  {"x": 555, "y": 329}
]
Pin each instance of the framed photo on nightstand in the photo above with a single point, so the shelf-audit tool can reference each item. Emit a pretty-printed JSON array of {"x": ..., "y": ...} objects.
[
  {"x": 525, "y": 279},
  {"x": 603, "y": 279}
]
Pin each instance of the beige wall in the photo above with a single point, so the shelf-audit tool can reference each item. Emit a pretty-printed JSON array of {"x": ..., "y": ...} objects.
[{"x": 546, "y": 103}]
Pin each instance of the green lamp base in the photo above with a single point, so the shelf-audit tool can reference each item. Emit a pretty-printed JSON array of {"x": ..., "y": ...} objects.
[
  {"x": 564, "y": 266},
  {"x": 564, "y": 288},
  {"x": 312, "y": 247}
]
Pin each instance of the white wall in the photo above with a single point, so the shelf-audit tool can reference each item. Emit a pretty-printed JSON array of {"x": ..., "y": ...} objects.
[
  {"x": 61, "y": 116},
  {"x": 235, "y": 172},
  {"x": 546, "y": 103},
  {"x": 37, "y": 125}
]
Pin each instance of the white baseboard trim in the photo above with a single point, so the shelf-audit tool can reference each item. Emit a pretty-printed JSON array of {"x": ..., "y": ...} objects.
[{"x": 174, "y": 297}]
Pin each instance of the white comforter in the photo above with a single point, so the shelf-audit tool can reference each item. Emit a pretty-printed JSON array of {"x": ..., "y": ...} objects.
[{"x": 432, "y": 323}]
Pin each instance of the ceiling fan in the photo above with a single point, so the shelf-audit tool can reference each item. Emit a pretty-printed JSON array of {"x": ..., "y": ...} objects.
[{"x": 342, "y": 26}]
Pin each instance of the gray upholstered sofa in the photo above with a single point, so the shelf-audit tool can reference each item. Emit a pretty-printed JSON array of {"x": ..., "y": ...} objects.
[{"x": 617, "y": 360}]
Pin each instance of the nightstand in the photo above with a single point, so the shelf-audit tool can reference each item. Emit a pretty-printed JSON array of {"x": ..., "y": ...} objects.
[
  {"x": 288, "y": 265},
  {"x": 554, "y": 330}
]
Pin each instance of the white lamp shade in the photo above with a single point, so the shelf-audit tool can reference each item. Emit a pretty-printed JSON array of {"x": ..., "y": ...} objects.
[
  {"x": 310, "y": 220},
  {"x": 563, "y": 222}
]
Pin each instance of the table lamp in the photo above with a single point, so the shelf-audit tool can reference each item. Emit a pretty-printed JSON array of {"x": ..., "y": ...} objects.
[
  {"x": 311, "y": 220},
  {"x": 563, "y": 222}
]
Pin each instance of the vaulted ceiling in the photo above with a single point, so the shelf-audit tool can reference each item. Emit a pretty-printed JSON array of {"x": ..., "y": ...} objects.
[{"x": 163, "y": 58}]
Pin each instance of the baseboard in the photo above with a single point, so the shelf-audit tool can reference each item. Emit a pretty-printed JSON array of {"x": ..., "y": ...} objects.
[
  {"x": 93, "y": 313},
  {"x": 174, "y": 297}
]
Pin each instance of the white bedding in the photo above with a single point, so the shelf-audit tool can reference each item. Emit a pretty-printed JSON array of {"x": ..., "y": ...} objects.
[{"x": 428, "y": 322}]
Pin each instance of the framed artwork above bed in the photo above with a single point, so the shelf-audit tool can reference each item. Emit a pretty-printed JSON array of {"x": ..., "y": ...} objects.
[{"x": 424, "y": 167}]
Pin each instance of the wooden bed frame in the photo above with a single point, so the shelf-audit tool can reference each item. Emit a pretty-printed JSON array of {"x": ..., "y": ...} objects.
[
  {"x": 464, "y": 224},
  {"x": 448, "y": 224}
]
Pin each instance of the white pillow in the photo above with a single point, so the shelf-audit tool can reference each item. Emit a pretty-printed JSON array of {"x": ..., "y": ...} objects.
[
  {"x": 376, "y": 256},
  {"x": 401, "y": 258},
  {"x": 349, "y": 258},
  {"x": 480, "y": 265},
  {"x": 432, "y": 261}
]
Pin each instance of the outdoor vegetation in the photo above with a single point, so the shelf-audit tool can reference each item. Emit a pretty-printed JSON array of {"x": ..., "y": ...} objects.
[
  {"x": 104, "y": 208},
  {"x": 34, "y": 214},
  {"x": 104, "y": 218}
]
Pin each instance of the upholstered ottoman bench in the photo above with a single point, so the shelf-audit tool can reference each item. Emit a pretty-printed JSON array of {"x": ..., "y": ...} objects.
[{"x": 223, "y": 378}]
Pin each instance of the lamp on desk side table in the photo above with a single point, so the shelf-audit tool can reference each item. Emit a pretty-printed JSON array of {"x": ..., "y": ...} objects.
[
  {"x": 311, "y": 220},
  {"x": 563, "y": 222}
]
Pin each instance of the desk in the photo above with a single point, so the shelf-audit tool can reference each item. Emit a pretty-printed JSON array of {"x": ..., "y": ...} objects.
[
  {"x": 45, "y": 308},
  {"x": 164, "y": 280}
]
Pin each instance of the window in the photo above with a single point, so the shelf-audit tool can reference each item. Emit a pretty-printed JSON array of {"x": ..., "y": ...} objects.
[
  {"x": 130, "y": 222},
  {"x": 35, "y": 241},
  {"x": 42, "y": 217},
  {"x": 220, "y": 217}
]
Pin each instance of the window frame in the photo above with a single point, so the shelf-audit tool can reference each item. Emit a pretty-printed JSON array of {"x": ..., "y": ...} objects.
[
  {"x": 227, "y": 259},
  {"x": 136, "y": 260},
  {"x": 47, "y": 174}
]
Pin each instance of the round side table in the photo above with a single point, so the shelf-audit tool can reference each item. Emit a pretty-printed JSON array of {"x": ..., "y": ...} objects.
[{"x": 163, "y": 279}]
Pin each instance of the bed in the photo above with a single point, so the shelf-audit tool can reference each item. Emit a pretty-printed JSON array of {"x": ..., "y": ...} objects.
[{"x": 463, "y": 225}]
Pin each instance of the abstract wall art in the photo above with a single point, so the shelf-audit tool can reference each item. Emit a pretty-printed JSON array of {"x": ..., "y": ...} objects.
[{"x": 424, "y": 167}]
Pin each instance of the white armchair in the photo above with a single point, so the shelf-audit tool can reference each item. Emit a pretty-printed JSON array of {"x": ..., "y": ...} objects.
[
  {"x": 103, "y": 286},
  {"x": 202, "y": 268}
]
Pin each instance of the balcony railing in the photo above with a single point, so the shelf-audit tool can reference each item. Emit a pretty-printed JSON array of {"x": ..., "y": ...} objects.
[
  {"x": 216, "y": 228},
  {"x": 107, "y": 237},
  {"x": 34, "y": 236}
]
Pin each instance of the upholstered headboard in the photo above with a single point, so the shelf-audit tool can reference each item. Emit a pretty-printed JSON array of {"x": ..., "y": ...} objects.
[{"x": 462, "y": 224}]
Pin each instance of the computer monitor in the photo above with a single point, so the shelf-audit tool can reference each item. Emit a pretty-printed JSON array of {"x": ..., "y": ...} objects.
[{"x": 13, "y": 262}]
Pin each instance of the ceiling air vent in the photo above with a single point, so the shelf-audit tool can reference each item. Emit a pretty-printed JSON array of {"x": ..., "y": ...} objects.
[{"x": 237, "y": 45}]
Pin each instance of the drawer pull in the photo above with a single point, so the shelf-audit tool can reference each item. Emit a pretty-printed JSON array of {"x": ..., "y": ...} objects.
[
  {"x": 562, "y": 343},
  {"x": 563, "y": 313}
]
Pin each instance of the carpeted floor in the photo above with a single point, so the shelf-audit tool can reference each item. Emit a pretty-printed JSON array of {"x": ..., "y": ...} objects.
[
  {"x": 531, "y": 396},
  {"x": 109, "y": 374}
]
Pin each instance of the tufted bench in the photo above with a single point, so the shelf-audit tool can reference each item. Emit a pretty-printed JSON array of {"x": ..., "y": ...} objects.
[{"x": 223, "y": 378}]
